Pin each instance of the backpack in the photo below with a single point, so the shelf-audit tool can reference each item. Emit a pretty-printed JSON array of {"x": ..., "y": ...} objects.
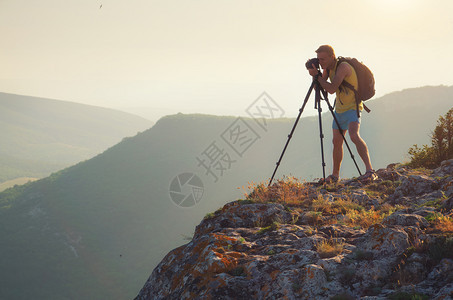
[{"x": 365, "y": 79}]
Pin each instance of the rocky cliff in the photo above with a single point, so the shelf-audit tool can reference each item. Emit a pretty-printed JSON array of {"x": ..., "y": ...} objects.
[{"x": 387, "y": 239}]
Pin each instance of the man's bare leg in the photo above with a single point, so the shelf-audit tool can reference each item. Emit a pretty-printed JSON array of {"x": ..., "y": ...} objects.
[{"x": 360, "y": 144}]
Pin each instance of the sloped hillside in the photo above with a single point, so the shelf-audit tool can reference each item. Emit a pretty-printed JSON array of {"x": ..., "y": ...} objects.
[{"x": 43, "y": 135}]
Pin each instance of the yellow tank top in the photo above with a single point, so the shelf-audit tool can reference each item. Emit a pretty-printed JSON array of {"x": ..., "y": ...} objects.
[{"x": 346, "y": 97}]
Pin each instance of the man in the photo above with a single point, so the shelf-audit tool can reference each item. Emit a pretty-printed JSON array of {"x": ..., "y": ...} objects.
[{"x": 345, "y": 110}]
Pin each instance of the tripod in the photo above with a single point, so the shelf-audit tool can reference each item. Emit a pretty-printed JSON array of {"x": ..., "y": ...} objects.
[{"x": 318, "y": 90}]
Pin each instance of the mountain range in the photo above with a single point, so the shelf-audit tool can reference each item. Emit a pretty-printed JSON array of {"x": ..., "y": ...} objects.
[
  {"x": 98, "y": 228},
  {"x": 44, "y": 135}
]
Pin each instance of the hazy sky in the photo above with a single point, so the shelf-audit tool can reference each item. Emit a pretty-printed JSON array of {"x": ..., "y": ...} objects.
[{"x": 213, "y": 56}]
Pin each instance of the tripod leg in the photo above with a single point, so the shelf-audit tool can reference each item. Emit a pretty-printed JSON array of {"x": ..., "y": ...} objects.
[
  {"x": 321, "y": 134},
  {"x": 292, "y": 131}
]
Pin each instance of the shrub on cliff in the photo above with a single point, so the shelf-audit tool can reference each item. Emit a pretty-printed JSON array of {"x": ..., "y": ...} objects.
[{"x": 441, "y": 145}]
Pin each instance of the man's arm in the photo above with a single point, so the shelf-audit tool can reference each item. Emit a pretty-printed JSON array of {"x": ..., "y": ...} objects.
[{"x": 343, "y": 70}]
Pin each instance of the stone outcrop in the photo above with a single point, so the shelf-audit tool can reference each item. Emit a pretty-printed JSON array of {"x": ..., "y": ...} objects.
[{"x": 252, "y": 249}]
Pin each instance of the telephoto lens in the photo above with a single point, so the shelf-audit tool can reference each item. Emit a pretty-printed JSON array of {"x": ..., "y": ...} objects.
[{"x": 314, "y": 61}]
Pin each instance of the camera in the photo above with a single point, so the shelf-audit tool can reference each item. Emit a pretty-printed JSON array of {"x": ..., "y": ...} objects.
[{"x": 309, "y": 64}]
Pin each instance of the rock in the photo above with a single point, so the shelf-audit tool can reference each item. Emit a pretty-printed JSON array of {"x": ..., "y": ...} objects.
[
  {"x": 313, "y": 281},
  {"x": 402, "y": 201},
  {"x": 235, "y": 214},
  {"x": 445, "y": 292},
  {"x": 415, "y": 185},
  {"x": 411, "y": 271},
  {"x": 389, "y": 173},
  {"x": 267, "y": 251},
  {"x": 446, "y": 168},
  {"x": 360, "y": 196},
  {"x": 368, "y": 272},
  {"x": 384, "y": 241},
  {"x": 203, "y": 259},
  {"x": 402, "y": 219},
  {"x": 330, "y": 264},
  {"x": 448, "y": 204},
  {"x": 449, "y": 189},
  {"x": 429, "y": 197},
  {"x": 444, "y": 267},
  {"x": 424, "y": 211},
  {"x": 341, "y": 231}
]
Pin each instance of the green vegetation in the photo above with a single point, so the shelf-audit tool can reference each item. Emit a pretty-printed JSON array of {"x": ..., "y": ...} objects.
[
  {"x": 209, "y": 216},
  {"x": 245, "y": 202},
  {"x": 271, "y": 252},
  {"x": 441, "y": 145},
  {"x": 274, "y": 226},
  {"x": 440, "y": 222},
  {"x": 437, "y": 203}
]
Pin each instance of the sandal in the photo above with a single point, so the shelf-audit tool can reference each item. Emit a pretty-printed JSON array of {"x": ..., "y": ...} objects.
[
  {"x": 370, "y": 176},
  {"x": 329, "y": 179}
]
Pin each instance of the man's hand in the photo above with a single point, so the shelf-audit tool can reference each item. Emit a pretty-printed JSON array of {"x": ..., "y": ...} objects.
[
  {"x": 343, "y": 70},
  {"x": 315, "y": 72}
]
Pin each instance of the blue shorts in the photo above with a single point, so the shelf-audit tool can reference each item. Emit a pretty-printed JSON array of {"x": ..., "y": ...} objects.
[{"x": 345, "y": 118}]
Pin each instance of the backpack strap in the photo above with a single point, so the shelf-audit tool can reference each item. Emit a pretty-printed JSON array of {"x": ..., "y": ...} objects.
[{"x": 366, "y": 108}]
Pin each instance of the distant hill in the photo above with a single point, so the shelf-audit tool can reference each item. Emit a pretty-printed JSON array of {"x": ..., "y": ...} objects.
[
  {"x": 41, "y": 136},
  {"x": 97, "y": 229}
]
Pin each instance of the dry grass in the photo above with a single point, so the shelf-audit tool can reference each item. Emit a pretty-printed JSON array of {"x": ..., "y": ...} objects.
[
  {"x": 350, "y": 213},
  {"x": 288, "y": 191},
  {"x": 363, "y": 218},
  {"x": 315, "y": 218},
  {"x": 441, "y": 223},
  {"x": 339, "y": 206},
  {"x": 320, "y": 210},
  {"x": 329, "y": 248}
]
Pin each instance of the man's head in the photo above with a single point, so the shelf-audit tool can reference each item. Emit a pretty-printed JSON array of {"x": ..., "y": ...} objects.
[{"x": 326, "y": 56}]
